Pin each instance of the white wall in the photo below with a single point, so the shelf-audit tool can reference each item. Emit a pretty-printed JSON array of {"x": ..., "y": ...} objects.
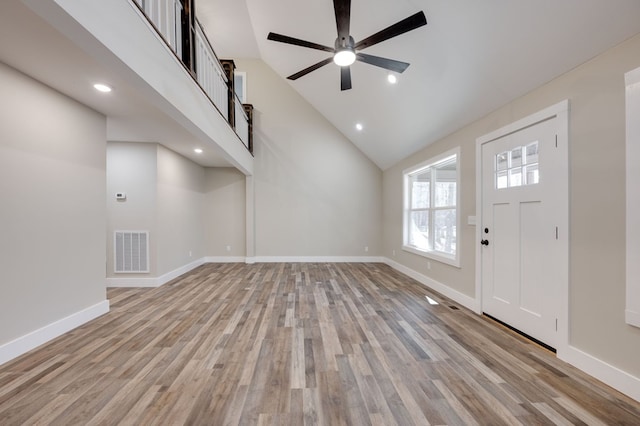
[
  {"x": 596, "y": 91},
  {"x": 316, "y": 194},
  {"x": 52, "y": 206}
]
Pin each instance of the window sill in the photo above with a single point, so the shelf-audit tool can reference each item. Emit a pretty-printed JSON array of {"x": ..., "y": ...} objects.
[{"x": 438, "y": 257}]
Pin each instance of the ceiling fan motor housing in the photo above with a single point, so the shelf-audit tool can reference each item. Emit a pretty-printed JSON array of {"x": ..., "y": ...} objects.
[
  {"x": 344, "y": 44},
  {"x": 345, "y": 53}
]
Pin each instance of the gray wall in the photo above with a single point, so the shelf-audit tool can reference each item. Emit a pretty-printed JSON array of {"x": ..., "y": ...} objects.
[
  {"x": 597, "y": 202},
  {"x": 224, "y": 211},
  {"x": 164, "y": 196},
  {"x": 132, "y": 168},
  {"x": 180, "y": 211},
  {"x": 52, "y": 211},
  {"x": 316, "y": 194}
]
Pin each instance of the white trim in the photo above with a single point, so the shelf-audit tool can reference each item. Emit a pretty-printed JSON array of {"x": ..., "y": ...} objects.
[
  {"x": 434, "y": 254},
  {"x": 225, "y": 259},
  {"x": 406, "y": 196},
  {"x": 153, "y": 282},
  {"x": 528, "y": 121},
  {"x": 632, "y": 101},
  {"x": 250, "y": 220},
  {"x": 315, "y": 259},
  {"x": 467, "y": 301},
  {"x": 32, "y": 340},
  {"x": 632, "y": 317},
  {"x": 606, "y": 373},
  {"x": 561, "y": 112}
]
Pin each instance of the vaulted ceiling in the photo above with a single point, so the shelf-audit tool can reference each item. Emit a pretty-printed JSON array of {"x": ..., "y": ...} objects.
[{"x": 471, "y": 58}]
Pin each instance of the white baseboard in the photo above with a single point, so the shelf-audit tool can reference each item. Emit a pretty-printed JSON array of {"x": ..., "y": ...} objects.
[
  {"x": 606, "y": 373},
  {"x": 294, "y": 259},
  {"x": 150, "y": 282},
  {"x": 24, "y": 344},
  {"x": 632, "y": 317},
  {"x": 153, "y": 282},
  {"x": 455, "y": 295},
  {"x": 225, "y": 259},
  {"x": 315, "y": 259}
]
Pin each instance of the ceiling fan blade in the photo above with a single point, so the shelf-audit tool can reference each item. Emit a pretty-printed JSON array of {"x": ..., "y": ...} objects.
[
  {"x": 389, "y": 64},
  {"x": 342, "y": 10},
  {"x": 345, "y": 78},
  {"x": 297, "y": 42},
  {"x": 411, "y": 23},
  {"x": 309, "y": 69}
]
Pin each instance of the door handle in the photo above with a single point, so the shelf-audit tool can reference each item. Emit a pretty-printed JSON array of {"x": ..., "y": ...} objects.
[{"x": 484, "y": 242}]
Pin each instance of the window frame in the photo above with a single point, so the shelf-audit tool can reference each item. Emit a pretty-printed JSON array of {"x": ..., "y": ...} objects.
[{"x": 453, "y": 260}]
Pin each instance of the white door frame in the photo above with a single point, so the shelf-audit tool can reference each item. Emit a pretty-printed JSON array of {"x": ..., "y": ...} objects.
[{"x": 561, "y": 112}]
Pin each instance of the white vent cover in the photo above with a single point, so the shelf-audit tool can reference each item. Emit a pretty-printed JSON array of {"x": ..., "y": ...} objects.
[{"x": 131, "y": 251}]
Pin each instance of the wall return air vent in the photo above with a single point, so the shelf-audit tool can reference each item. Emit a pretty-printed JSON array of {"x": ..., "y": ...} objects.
[{"x": 131, "y": 251}]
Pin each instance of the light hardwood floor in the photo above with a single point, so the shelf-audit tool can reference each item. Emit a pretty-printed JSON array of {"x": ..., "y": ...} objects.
[{"x": 294, "y": 344}]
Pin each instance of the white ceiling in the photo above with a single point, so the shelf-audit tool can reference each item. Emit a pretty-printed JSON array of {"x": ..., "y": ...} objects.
[{"x": 471, "y": 58}]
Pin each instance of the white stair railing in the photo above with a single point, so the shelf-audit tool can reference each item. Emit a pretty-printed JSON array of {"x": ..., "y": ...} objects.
[
  {"x": 165, "y": 16},
  {"x": 210, "y": 74}
]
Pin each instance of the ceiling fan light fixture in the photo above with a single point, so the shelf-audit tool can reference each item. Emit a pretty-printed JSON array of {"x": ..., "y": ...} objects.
[{"x": 344, "y": 58}]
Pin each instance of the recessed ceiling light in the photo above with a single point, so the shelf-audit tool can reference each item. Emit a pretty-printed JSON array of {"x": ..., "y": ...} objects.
[
  {"x": 359, "y": 127},
  {"x": 391, "y": 78},
  {"x": 197, "y": 151},
  {"x": 102, "y": 87}
]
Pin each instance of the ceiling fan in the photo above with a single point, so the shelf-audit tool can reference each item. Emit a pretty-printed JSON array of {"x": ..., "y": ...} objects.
[{"x": 346, "y": 50}]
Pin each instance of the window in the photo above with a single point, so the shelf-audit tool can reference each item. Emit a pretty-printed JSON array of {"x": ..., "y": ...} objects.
[
  {"x": 431, "y": 218},
  {"x": 240, "y": 85},
  {"x": 517, "y": 167}
]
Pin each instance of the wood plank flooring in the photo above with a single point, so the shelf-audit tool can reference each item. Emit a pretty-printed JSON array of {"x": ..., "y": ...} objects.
[{"x": 298, "y": 344}]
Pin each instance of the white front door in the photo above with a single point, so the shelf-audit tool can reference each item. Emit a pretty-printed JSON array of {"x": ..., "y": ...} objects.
[{"x": 519, "y": 231}]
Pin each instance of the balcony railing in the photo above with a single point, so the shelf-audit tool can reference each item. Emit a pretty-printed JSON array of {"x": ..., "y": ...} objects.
[
  {"x": 210, "y": 74},
  {"x": 175, "y": 22},
  {"x": 242, "y": 122}
]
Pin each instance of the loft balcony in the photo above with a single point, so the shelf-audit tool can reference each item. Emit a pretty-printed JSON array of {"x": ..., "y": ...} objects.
[
  {"x": 176, "y": 23},
  {"x": 169, "y": 85}
]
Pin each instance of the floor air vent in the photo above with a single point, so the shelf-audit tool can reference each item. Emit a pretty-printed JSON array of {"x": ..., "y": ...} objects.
[{"x": 131, "y": 251}]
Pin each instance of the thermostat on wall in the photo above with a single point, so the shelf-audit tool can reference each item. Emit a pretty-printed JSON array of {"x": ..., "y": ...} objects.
[{"x": 121, "y": 196}]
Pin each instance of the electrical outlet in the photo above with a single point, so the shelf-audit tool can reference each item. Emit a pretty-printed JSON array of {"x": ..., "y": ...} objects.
[
  {"x": 366, "y": 249},
  {"x": 190, "y": 254},
  {"x": 228, "y": 248},
  {"x": 393, "y": 252}
]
